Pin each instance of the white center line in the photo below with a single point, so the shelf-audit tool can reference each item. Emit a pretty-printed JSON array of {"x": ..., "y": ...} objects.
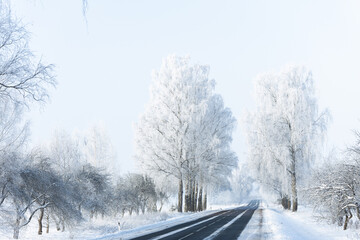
[
  {"x": 184, "y": 228},
  {"x": 186, "y": 236},
  {"x": 201, "y": 228},
  {"x": 224, "y": 227}
]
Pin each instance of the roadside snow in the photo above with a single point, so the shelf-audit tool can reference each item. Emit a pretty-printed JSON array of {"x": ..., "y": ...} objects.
[
  {"x": 280, "y": 224},
  {"x": 255, "y": 229},
  {"x": 272, "y": 222},
  {"x": 107, "y": 228}
]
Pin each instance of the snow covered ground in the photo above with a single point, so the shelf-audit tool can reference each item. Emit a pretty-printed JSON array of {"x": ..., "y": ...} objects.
[
  {"x": 272, "y": 222},
  {"x": 131, "y": 226},
  {"x": 268, "y": 222}
]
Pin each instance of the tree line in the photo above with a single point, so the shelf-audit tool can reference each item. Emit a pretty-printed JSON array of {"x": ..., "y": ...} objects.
[{"x": 56, "y": 185}]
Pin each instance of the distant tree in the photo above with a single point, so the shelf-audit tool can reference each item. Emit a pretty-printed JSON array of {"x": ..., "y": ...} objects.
[
  {"x": 162, "y": 198},
  {"x": 135, "y": 192},
  {"x": 94, "y": 186},
  {"x": 65, "y": 153},
  {"x": 285, "y": 130},
  {"x": 241, "y": 182},
  {"x": 98, "y": 150}
]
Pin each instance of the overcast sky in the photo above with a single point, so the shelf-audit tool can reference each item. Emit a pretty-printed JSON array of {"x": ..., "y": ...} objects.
[{"x": 104, "y": 62}]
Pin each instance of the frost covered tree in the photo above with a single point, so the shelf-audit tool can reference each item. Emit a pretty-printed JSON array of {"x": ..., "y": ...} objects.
[
  {"x": 241, "y": 182},
  {"x": 136, "y": 193},
  {"x": 68, "y": 153},
  {"x": 33, "y": 187},
  {"x": 285, "y": 130},
  {"x": 98, "y": 150},
  {"x": 335, "y": 187},
  {"x": 335, "y": 192},
  {"x": 23, "y": 79},
  {"x": 65, "y": 152},
  {"x": 210, "y": 159},
  {"x": 185, "y": 131}
]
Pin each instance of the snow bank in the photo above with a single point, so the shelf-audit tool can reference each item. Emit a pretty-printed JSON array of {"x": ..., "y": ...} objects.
[
  {"x": 302, "y": 225},
  {"x": 108, "y": 228}
]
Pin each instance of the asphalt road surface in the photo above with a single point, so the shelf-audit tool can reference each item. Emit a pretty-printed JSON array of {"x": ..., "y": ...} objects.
[{"x": 227, "y": 224}]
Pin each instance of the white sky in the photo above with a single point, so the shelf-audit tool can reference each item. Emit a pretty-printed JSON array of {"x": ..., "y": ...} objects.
[{"x": 104, "y": 67}]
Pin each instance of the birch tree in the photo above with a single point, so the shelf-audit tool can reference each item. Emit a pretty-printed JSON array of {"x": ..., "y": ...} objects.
[
  {"x": 185, "y": 129},
  {"x": 286, "y": 129},
  {"x": 23, "y": 78}
]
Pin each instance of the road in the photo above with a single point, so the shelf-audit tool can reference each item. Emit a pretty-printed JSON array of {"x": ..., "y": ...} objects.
[{"x": 226, "y": 224}]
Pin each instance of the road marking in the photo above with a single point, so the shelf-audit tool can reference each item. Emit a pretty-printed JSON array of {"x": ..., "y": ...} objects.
[
  {"x": 186, "y": 236},
  {"x": 201, "y": 228},
  {"x": 224, "y": 227},
  {"x": 184, "y": 228}
]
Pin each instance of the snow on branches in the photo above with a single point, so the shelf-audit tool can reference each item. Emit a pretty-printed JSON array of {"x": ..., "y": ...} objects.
[
  {"x": 185, "y": 132},
  {"x": 285, "y": 130}
]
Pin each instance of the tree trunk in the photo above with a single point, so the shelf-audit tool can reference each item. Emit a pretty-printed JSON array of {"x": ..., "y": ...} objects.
[
  {"x": 187, "y": 196},
  {"x": 285, "y": 202},
  {"x": 346, "y": 222},
  {"x": 199, "y": 206},
  {"x": 293, "y": 181},
  {"x": 17, "y": 228},
  {"x": 47, "y": 222},
  {"x": 122, "y": 212},
  {"x": 180, "y": 196},
  {"x": 289, "y": 203},
  {"x": 40, "y": 221},
  {"x": 294, "y": 192},
  {"x": 57, "y": 223},
  {"x": 63, "y": 225},
  {"x": 205, "y": 201},
  {"x": 196, "y": 190},
  {"x": 348, "y": 216},
  {"x": 192, "y": 196}
]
